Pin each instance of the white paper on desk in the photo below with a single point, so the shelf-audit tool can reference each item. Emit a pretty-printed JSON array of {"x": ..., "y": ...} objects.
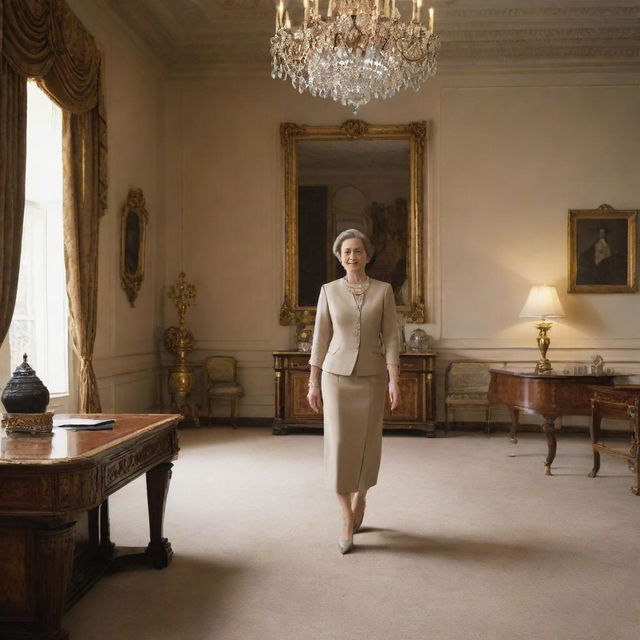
[{"x": 84, "y": 423}]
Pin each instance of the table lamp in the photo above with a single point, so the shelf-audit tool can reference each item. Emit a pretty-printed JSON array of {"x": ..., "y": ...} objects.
[{"x": 542, "y": 303}]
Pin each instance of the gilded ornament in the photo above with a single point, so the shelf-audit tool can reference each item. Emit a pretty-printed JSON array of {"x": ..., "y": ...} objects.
[
  {"x": 354, "y": 128},
  {"x": 179, "y": 341}
]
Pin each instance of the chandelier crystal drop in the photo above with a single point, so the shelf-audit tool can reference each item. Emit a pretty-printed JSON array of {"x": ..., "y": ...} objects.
[{"x": 360, "y": 49}]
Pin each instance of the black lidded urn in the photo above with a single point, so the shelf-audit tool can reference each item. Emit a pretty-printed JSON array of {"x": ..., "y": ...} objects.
[{"x": 25, "y": 392}]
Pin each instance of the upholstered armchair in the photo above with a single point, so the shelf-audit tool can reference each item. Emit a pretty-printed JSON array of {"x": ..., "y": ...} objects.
[{"x": 466, "y": 385}]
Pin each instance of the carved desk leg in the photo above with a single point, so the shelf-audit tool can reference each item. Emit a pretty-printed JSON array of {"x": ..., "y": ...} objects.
[
  {"x": 512, "y": 429},
  {"x": 106, "y": 545},
  {"x": 514, "y": 425},
  {"x": 549, "y": 428},
  {"x": 159, "y": 548},
  {"x": 634, "y": 455},
  {"x": 55, "y": 547},
  {"x": 594, "y": 429}
]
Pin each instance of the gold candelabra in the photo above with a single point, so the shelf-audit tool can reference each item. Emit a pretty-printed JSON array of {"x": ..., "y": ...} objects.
[{"x": 179, "y": 341}]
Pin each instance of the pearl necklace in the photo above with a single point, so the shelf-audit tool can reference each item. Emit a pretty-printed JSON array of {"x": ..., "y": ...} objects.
[{"x": 358, "y": 290}]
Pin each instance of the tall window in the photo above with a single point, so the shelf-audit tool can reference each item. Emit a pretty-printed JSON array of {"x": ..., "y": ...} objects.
[{"x": 39, "y": 327}]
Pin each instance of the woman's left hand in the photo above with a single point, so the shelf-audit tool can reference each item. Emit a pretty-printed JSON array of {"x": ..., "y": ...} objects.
[{"x": 394, "y": 394}]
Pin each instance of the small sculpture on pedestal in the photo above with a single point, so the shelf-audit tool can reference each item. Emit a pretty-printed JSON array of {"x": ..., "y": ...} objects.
[
  {"x": 597, "y": 365},
  {"x": 304, "y": 338},
  {"x": 179, "y": 341}
]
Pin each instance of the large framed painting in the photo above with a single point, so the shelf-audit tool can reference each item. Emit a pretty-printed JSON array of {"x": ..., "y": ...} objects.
[
  {"x": 602, "y": 250},
  {"x": 357, "y": 175}
]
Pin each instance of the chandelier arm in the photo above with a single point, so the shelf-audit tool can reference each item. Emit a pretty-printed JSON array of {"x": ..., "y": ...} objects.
[{"x": 410, "y": 59}]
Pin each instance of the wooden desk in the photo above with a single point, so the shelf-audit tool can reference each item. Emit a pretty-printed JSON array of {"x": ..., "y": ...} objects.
[
  {"x": 417, "y": 408},
  {"x": 551, "y": 395},
  {"x": 54, "y": 519}
]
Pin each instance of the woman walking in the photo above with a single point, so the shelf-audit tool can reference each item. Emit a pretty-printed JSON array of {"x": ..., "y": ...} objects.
[{"x": 355, "y": 347}]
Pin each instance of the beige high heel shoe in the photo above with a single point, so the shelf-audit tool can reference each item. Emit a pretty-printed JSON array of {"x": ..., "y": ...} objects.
[{"x": 347, "y": 544}]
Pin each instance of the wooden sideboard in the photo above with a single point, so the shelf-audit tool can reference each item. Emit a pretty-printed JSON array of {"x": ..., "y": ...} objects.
[{"x": 417, "y": 408}]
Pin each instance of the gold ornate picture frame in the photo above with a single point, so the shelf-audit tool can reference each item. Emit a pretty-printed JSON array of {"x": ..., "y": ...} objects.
[
  {"x": 602, "y": 250},
  {"x": 133, "y": 228},
  {"x": 312, "y": 158}
]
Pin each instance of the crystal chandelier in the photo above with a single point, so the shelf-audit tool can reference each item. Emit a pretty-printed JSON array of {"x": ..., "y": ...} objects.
[{"x": 359, "y": 50}]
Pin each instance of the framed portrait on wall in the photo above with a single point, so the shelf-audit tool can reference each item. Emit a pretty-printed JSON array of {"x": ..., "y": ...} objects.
[
  {"x": 133, "y": 226},
  {"x": 602, "y": 250}
]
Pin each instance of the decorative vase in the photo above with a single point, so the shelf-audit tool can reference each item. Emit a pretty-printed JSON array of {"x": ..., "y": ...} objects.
[
  {"x": 25, "y": 392},
  {"x": 26, "y": 398}
]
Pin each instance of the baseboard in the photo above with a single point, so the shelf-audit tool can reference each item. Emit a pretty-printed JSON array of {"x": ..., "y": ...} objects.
[
  {"x": 496, "y": 427},
  {"x": 504, "y": 427},
  {"x": 206, "y": 421}
]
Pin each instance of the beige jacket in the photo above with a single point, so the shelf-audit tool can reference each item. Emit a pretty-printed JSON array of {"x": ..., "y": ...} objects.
[{"x": 344, "y": 336}]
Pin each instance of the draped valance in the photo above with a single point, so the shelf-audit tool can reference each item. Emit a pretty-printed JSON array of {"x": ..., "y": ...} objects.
[{"x": 45, "y": 40}]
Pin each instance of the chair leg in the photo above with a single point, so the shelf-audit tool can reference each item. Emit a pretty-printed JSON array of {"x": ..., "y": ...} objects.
[
  {"x": 233, "y": 413},
  {"x": 488, "y": 421},
  {"x": 210, "y": 416},
  {"x": 635, "y": 453},
  {"x": 446, "y": 419}
]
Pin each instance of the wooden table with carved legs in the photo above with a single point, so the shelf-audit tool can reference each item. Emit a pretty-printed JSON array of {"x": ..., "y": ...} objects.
[
  {"x": 551, "y": 395},
  {"x": 54, "y": 515},
  {"x": 620, "y": 404}
]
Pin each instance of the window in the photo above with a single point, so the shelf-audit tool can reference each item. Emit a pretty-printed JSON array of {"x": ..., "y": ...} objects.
[{"x": 40, "y": 327}]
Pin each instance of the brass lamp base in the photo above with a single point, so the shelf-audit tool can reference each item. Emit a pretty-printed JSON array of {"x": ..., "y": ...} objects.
[{"x": 543, "y": 365}]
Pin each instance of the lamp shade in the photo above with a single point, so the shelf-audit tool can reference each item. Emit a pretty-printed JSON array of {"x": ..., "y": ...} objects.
[{"x": 542, "y": 302}]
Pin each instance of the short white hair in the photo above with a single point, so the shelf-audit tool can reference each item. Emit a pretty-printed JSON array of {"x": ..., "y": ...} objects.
[{"x": 352, "y": 233}]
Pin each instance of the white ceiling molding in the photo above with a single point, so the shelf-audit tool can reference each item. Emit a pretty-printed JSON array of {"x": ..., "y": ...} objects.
[{"x": 194, "y": 37}]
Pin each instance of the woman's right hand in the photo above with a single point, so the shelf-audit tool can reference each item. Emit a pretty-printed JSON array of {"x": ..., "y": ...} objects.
[{"x": 314, "y": 397}]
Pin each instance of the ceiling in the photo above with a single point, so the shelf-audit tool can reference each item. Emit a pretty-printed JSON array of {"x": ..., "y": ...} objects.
[{"x": 200, "y": 36}]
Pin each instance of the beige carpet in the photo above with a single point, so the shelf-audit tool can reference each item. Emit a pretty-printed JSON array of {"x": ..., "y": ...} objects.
[{"x": 460, "y": 542}]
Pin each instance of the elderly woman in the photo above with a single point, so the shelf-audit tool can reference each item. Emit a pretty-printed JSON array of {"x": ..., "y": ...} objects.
[{"x": 355, "y": 344}]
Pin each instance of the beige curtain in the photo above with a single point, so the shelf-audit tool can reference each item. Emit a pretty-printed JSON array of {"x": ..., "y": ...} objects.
[{"x": 43, "y": 39}]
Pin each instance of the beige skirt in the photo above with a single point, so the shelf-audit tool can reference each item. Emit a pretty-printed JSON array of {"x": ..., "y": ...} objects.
[{"x": 353, "y": 407}]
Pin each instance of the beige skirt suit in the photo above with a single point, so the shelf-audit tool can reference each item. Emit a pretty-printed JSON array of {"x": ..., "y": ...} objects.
[{"x": 353, "y": 348}]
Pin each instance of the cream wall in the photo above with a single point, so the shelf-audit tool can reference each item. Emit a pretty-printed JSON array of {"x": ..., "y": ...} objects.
[
  {"x": 125, "y": 357},
  {"x": 508, "y": 156}
]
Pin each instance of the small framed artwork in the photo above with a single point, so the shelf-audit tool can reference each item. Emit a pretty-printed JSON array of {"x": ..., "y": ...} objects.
[
  {"x": 602, "y": 250},
  {"x": 132, "y": 243}
]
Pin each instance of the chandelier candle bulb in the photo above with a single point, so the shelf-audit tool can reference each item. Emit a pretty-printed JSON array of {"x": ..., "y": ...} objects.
[
  {"x": 287, "y": 20},
  {"x": 418, "y": 10},
  {"x": 306, "y": 11},
  {"x": 431, "y": 20},
  {"x": 330, "y": 9}
]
